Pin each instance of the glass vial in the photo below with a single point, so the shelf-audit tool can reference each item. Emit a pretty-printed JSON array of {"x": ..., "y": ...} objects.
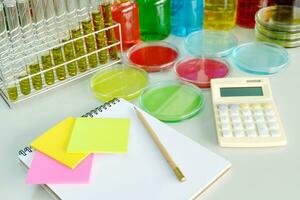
[
  {"x": 155, "y": 19},
  {"x": 186, "y": 16},
  {"x": 220, "y": 14},
  {"x": 246, "y": 11},
  {"x": 126, "y": 13}
]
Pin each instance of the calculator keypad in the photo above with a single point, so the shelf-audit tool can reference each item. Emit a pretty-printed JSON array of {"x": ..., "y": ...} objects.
[{"x": 247, "y": 120}]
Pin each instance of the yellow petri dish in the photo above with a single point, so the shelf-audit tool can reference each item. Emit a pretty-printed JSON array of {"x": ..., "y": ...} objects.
[{"x": 119, "y": 81}]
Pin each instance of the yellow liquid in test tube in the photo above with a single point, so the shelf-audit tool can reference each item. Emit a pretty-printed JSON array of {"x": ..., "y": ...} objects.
[{"x": 220, "y": 14}]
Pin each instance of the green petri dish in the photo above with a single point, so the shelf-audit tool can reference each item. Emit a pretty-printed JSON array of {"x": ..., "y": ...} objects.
[
  {"x": 119, "y": 81},
  {"x": 284, "y": 43},
  {"x": 172, "y": 101}
]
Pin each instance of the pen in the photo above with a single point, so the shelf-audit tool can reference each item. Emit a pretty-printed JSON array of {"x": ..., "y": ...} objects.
[{"x": 161, "y": 147}]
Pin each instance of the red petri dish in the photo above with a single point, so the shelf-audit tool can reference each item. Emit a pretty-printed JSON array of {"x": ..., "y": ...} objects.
[
  {"x": 153, "y": 56},
  {"x": 200, "y": 71}
]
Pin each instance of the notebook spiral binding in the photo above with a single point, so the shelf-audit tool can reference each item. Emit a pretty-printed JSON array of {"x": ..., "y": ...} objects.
[
  {"x": 101, "y": 108},
  {"x": 27, "y": 150}
]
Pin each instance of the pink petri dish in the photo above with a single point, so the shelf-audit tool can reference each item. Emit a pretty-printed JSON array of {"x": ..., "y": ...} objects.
[
  {"x": 200, "y": 71},
  {"x": 153, "y": 56}
]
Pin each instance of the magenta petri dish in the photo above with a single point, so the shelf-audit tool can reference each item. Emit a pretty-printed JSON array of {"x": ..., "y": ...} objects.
[
  {"x": 153, "y": 56},
  {"x": 200, "y": 71}
]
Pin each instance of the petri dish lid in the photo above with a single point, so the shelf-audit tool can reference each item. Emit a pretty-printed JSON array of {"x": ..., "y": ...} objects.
[
  {"x": 260, "y": 57},
  {"x": 210, "y": 43},
  {"x": 153, "y": 56},
  {"x": 284, "y": 43},
  {"x": 172, "y": 101},
  {"x": 200, "y": 71},
  {"x": 281, "y": 35},
  {"x": 119, "y": 81},
  {"x": 280, "y": 17}
]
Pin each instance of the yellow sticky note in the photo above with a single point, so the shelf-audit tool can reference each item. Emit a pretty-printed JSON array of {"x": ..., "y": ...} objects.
[
  {"x": 99, "y": 135},
  {"x": 54, "y": 144}
]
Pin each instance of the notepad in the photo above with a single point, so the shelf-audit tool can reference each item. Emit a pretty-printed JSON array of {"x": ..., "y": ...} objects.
[
  {"x": 54, "y": 143},
  {"x": 45, "y": 170},
  {"x": 142, "y": 173},
  {"x": 99, "y": 135}
]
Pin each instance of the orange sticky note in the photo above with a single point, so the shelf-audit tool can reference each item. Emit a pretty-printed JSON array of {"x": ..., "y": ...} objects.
[{"x": 54, "y": 143}]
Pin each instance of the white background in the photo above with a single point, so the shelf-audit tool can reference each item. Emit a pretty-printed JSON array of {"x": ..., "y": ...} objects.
[{"x": 259, "y": 173}]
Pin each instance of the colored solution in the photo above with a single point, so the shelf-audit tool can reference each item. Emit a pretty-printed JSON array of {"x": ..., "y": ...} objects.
[
  {"x": 287, "y": 2},
  {"x": 126, "y": 13},
  {"x": 58, "y": 60},
  {"x": 101, "y": 41},
  {"x": 200, "y": 71},
  {"x": 47, "y": 64},
  {"x": 87, "y": 27},
  {"x": 186, "y": 16},
  {"x": 172, "y": 102},
  {"x": 220, "y": 14},
  {"x": 25, "y": 85},
  {"x": 124, "y": 83},
  {"x": 79, "y": 50},
  {"x": 153, "y": 58},
  {"x": 246, "y": 11},
  {"x": 70, "y": 55},
  {"x": 12, "y": 92},
  {"x": 155, "y": 19},
  {"x": 110, "y": 34},
  {"x": 36, "y": 79}
]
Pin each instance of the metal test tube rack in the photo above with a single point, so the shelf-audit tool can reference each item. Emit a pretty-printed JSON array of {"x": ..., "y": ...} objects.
[{"x": 21, "y": 97}]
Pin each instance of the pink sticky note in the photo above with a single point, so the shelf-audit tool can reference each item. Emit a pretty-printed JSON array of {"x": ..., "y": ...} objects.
[{"x": 45, "y": 170}]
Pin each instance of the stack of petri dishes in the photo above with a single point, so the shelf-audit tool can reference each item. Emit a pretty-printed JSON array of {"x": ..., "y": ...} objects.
[{"x": 279, "y": 24}]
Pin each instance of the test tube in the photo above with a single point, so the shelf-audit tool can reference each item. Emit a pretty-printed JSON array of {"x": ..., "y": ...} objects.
[
  {"x": 26, "y": 25},
  {"x": 77, "y": 32},
  {"x": 3, "y": 34},
  {"x": 62, "y": 34},
  {"x": 98, "y": 22},
  {"x": 110, "y": 34},
  {"x": 87, "y": 28}
]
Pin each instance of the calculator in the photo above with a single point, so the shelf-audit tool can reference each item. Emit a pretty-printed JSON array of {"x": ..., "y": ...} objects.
[{"x": 245, "y": 113}]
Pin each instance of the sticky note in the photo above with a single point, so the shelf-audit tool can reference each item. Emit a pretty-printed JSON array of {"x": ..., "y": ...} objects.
[
  {"x": 54, "y": 143},
  {"x": 99, "y": 135},
  {"x": 45, "y": 170}
]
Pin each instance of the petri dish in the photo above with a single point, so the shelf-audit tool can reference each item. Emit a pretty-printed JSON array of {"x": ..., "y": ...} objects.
[
  {"x": 153, "y": 56},
  {"x": 285, "y": 43},
  {"x": 260, "y": 58},
  {"x": 200, "y": 71},
  {"x": 119, "y": 81},
  {"x": 210, "y": 43},
  {"x": 172, "y": 101},
  {"x": 280, "y": 18}
]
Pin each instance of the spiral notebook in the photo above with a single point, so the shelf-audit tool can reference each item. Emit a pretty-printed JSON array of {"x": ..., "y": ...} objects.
[{"x": 142, "y": 173}]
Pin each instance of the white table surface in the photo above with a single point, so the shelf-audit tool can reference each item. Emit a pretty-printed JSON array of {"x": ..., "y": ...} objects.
[{"x": 256, "y": 174}]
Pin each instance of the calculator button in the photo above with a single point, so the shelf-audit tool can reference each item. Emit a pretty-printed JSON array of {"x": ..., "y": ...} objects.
[
  {"x": 258, "y": 112},
  {"x": 227, "y": 133},
  {"x": 246, "y": 112},
  {"x": 239, "y": 133},
  {"x": 222, "y": 107},
  {"x": 236, "y": 119},
  {"x": 234, "y": 112},
  {"x": 223, "y": 113},
  {"x": 225, "y": 126},
  {"x": 224, "y": 119},
  {"x": 259, "y": 118},
  {"x": 263, "y": 130},
  {"x": 273, "y": 125},
  {"x": 271, "y": 119},
  {"x": 256, "y": 106},
  {"x": 237, "y": 126},
  {"x": 234, "y": 107},
  {"x": 251, "y": 133},
  {"x": 269, "y": 112},
  {"x": 267, "y": 105},
  {"x": 247, "y": 119},
  {"x": 275, "y": 133},
  {"x": 249, "y": 126},
  {"x": 245, "y": 106}
]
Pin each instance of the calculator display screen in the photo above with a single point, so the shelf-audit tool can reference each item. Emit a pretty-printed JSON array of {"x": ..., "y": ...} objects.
[{"x": 241, "y": 91}]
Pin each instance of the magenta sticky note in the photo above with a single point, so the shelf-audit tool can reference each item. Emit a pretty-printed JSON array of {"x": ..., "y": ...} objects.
[{"x": 45, "y": 170}]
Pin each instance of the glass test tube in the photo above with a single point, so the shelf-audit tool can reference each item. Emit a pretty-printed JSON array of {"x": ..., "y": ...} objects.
[
  {"x": 98, "y": 22},
  {"x": 110, "y": 34},
  {"x": 87, "y": 28},
  {"x": 58, "y": 57},
  {"x": 45, "y": 57},
  {"x": 75, "y": 33}
]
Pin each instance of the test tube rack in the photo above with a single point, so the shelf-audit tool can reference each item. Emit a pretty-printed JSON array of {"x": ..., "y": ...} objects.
[{"x": 68, "y": 79}]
